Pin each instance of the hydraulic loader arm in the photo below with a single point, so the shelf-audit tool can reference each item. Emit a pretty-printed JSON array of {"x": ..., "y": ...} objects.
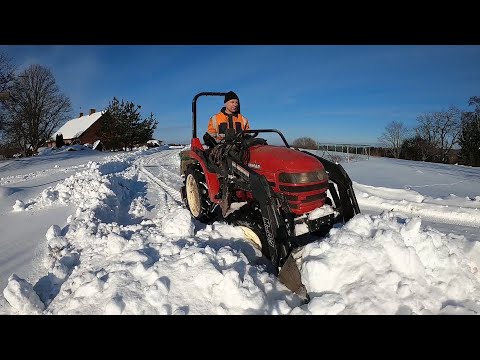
[
  {"x": 274, "y": 224},
  {"x": 272, "y": 217}
]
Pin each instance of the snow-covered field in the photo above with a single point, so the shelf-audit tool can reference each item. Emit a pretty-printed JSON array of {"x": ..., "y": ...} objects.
[{"x": 85, "y": 232}]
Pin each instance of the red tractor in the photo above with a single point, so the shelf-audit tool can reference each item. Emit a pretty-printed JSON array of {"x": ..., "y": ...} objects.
[{"x": 270, "y": 191}]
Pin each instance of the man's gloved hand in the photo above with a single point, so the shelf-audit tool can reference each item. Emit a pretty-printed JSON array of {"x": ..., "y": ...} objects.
[{"x": 209, "y": 140}]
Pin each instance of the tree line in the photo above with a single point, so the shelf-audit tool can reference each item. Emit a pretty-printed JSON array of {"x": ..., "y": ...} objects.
[
  {"x": 33, "y": 108},
  {"x": 446, "y": 136}
]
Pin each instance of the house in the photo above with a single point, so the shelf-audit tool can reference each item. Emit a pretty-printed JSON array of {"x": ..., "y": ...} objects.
[
  {"x": 154, "y": 143},
  {"x": 81, "y": 130}
]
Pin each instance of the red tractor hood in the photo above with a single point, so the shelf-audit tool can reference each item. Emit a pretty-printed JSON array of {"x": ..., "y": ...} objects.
[{"x": 271, "y": 159}]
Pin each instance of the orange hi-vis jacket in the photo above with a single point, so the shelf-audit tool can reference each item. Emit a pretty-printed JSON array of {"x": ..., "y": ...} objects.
[{"x": 219, "y": 123}]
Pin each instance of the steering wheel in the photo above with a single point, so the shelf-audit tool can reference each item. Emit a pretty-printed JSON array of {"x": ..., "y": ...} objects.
[
  {"x": 241, "y": 136},
  {"x": 247, "y": 135}
]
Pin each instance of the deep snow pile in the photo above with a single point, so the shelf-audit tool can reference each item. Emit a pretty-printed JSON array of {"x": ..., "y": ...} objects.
[{"x": 117, "y": 256}]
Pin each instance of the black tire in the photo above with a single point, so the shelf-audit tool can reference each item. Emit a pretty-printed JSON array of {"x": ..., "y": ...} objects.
[{"x": 197, "y": 199}]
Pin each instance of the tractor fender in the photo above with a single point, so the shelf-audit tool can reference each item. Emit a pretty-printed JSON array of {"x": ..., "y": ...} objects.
[{"x": 213, "y": 184}]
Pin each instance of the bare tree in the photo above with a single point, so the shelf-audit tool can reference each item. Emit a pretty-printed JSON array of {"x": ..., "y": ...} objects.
[
  {"x": 7, "y": 72},
  {"x": 35, "y": 109},
  {"x": 305, "y": 143},
  {"x": 448, "y": 126},
  {"x": 393, "y": 136},
  {"x": 426, "y": 131},
  {"x": 7, "y": 75},
  {"x": 440, "y": 131}
]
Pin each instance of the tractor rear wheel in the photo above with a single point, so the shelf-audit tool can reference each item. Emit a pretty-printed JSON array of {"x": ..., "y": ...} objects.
[{"x": 198, "y": 201}]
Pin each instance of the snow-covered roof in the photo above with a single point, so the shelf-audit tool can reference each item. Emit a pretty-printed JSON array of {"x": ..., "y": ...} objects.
[
  {"x": 76, "y": 127},
  {"x": 154, "y": 141}
]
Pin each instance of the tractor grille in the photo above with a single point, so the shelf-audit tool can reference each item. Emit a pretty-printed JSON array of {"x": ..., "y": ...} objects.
[
  {"x": 306, "y": 188},
  {"x": 308, "y": 198},
  {"x": 303, "y": 197}
]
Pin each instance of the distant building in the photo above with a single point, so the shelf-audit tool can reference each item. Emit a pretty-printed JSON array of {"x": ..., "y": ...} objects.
[
  {"x": 154, "y": 143},
  {"x": 82, "y": 130}
]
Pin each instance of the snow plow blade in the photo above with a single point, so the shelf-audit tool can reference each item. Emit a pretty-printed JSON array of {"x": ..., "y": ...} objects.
[{"x": 290, "y": 276}]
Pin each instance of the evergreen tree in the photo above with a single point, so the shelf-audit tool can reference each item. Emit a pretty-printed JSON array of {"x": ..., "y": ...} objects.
[
  {"x": 123, "y": 126},
  {"x": 110, "y": 132}
]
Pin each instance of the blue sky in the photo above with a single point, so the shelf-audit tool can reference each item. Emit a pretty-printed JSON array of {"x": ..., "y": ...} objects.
[{"x": 334, "y": 94}]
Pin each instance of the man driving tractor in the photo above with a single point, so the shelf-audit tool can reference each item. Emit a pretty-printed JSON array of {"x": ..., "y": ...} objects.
[{"x": 229, "y": 117}]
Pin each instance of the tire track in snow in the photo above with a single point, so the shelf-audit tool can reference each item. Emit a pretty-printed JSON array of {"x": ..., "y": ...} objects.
[{"x": 172, "y": 197}]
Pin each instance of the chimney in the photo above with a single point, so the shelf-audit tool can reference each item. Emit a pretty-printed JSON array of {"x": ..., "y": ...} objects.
[
  {"x": 92, "y": 111},
  {"x": 81, "y": 114}
]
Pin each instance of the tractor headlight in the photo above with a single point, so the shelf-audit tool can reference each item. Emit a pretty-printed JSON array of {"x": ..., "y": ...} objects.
[{"x": 303, "y": 178}]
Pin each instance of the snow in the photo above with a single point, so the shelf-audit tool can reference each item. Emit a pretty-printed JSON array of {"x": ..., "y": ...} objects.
[
  {"x": 86, "y": 232},
  {"x": 76, "y": 127},
  {"x": 320, "y": 212}
]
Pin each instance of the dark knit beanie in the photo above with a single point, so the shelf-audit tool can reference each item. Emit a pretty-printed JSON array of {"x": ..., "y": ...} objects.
[{"x": 230, "y": 96}]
